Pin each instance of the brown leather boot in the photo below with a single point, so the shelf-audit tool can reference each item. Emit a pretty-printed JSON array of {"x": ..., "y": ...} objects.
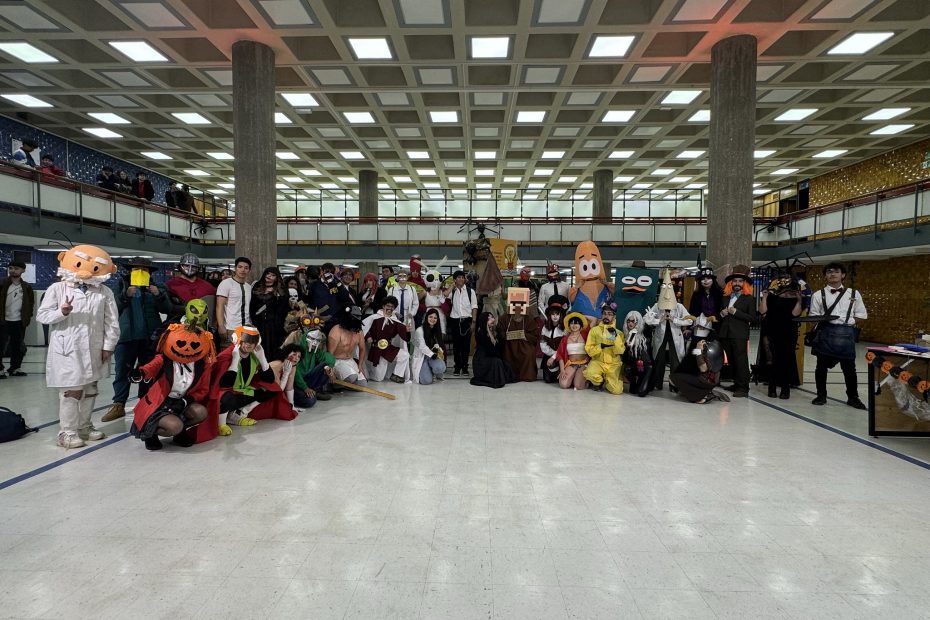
[{"x": 117, "y": 411}]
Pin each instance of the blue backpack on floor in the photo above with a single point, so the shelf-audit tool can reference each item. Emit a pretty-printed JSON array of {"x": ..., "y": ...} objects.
[{"x": 12, "y": 426}]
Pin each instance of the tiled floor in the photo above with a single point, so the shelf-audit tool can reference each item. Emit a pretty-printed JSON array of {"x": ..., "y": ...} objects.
[{"x": 460, "y": 502}]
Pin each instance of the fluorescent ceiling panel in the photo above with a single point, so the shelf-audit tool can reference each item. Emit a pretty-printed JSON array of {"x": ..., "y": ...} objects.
[
  {"x": 650, "y": 74},
  {"x": 196, "y": 172},
  {"x": 553, "y": 12},
  {"x": 332, "y": 77},
  {"x": 623, "y": 179},
  {"x": 422, "y": 12},
  {"x": 351, "y": 154},
  {"x": 699, "y": 10},
  {"x": 484, "y": 172},
  {"x": 542, "y": 172},
  {"x": 139, "y": 51},
  {"x": 359, "y": 117},
  {"x": 618, "y": 116},
  {"x": 310, "y": 172},
  {"x": 795, "y": 114},
  {"x": 293, "y": 179},
  {"x": 553, "y": 154},
  {"x": 542, "y": 75},
  {"x": 26, "y": 52},
  {"x": 101, "y": 132},
  {"x": 530, "y": 116},
  {"x": 190, "y": 118},
  {"x": 448, "y": 116},
  {"x": 300, "y": 100},
  {"x": 701, "y": 116},
  {"x": 620, "y": 155},
  {"x": 763, "y": 153},
  {"x": 889, "y": 130},
  {"x": 27, "y": 101},
  {"x": 661, "y": 172},
  {"x": 371, "y": 48},
  {"x": 280, "y": 118},
  {"x": 830, "y": 153},
  {"x": 483, "y": 132},
  {"x": 885, "y": 114},
  {"x": 696, "y": 185},
  {"x": 220, "y": 155},
  {"x": 436, "y": 76},
  {"x": 642, "y": 185},
  {"x": 390, "y": 99},
  {"x": 417, "y": 154},
  {"x": 287, "y": 12},
  {"x": 690, "y": 154},
  {"x": 783, "y": 171},
  {"x": 610, "y": 46},
  {"x": 488, "y": 98},
  {"x": 426, "y": 172},
  {"x": 286, "y": 155},
  {"x": 681, "y": 97},
  {"x": 860, "y": 42},
  {"x": 109, "y": 118},
  {"x": 583, "y": 98},
  {"x": 155, "y": 155},
  {"x": 490, "y": 47},
  {"x": 153, "y": 15},
  {"x": 485, "y": 154}
]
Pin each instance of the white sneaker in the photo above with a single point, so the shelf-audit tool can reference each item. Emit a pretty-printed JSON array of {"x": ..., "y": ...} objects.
[
  {"x": 91, "y": 434},
  {"x": 233, "y": 417},
  {"x": 69, "y": 439}
]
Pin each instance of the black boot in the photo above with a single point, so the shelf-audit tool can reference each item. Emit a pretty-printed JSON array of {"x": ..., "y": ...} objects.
[
  {"x": 153, "y": 443},
  {"x": 785, "y": 393},
  {"x": 772, "y": 393},
  {"x": 183, "y": 440}
]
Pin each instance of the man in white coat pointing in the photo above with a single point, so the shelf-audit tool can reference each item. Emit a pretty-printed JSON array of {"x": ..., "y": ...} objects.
[{"x": 83, "y": 331}]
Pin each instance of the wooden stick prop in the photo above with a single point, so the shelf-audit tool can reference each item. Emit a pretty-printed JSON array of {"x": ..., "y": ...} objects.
[{"x": 362, "y": 388}]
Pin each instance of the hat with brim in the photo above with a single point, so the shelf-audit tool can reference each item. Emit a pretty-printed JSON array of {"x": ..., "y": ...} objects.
[
  {"x": 558, "y": 302},
  {"x": 740, "y": 271},
  {"x": 140, "y": 263},
  {"x": 575, "y": 315},
  {"x": 706, "y": 272}
]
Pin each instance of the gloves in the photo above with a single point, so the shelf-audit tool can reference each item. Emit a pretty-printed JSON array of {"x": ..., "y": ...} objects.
[
  {"x": 259, "y": 353},
  {"x": 236, "y": 358},
  {"x": 434, "y": 357}
]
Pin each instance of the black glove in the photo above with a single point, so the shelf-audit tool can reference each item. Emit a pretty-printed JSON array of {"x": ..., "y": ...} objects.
[
  {"x": 434, "y": 356},
  {"x": 135, "y": 375}
]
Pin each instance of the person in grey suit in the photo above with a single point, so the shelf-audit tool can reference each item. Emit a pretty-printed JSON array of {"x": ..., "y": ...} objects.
[{"x": 736, "y": 317}]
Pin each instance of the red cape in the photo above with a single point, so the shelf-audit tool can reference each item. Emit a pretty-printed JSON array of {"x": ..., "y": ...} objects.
[{"x": 162, "y": 370}]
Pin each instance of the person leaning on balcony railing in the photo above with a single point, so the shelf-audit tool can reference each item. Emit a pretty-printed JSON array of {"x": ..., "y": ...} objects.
[
  {"x": 107, "y": 180},
  {"x": 123, "y": 182},
  {"x": 142, "y": 187},
  {"x": 23, "y": 155},
  {"x": 48, "y": 166}
]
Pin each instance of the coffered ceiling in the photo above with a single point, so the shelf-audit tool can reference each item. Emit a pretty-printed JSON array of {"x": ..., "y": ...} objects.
[{"x": 497, "y": 94}]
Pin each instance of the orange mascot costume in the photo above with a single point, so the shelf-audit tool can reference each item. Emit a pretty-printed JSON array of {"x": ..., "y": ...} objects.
[{"x": 592, "y": 290}]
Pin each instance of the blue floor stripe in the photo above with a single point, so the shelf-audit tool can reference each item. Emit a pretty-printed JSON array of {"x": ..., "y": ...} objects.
[
  {"x": 60, "y": 462},
  {"x": 842, "y": 433},
  {"x": 54, "y": 422}
]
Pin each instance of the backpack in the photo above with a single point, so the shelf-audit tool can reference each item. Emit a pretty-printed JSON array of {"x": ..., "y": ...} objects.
[{"x": 12, "y": 426}]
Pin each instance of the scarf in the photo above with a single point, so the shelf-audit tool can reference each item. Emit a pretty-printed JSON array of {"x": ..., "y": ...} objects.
[{"x": 242, "y": 384}]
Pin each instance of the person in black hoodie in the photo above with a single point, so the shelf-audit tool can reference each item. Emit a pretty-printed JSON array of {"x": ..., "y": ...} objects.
[{"x": 269, "y": 307}]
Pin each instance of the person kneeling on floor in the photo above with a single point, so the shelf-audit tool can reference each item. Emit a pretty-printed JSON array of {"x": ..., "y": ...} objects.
[
  {"x": 246, "y": 391},
  {"x": 605, "y": 345},
  {"x": 698, "y": 374},
  {"x": 387, "y": 338},
  {"x": 181, "y": 372}
]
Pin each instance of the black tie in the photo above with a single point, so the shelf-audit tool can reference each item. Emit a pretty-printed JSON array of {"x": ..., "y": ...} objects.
[
  {"x": 836, "y": 290},
  {"x": 242, "y": 310}
]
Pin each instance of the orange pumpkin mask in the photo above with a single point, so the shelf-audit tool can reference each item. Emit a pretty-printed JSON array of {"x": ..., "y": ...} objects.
[{"x": 186, "y": 344}]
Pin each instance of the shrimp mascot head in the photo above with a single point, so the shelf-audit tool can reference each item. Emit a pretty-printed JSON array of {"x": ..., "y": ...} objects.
[
  {"x": 592, "y": 289},
  {"x": 85, "y": 264}
]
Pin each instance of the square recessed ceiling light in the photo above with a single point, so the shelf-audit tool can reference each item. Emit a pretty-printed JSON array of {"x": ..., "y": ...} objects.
[
  {"x": 196, "y": 172},
  {"x": 512, "y": 179},
  {"x": 218, "y": 191},
  {"x": 140, "y": 51},
  {"x": 402, "y": 179},
  {"x": 783, "y": 171},
  {"x": 542, "y": 172},
  {"x": 102, "y": 132},
  {"x": 618, "y": 116},
  {"x": 450, "y": 116},
  {"x": 888, "y": 130},
  {"x": 351, "y": 154},
  {"x": 281, "y": 118},
  {"x": 371, "y": 49},
  {"x": 221, "y": 155},
  {"x": 567, "y": 179},
  {"x": 348, "y": 179},
  {"x": 27, "y": 101},
  {"x": 26, "y": 52},
  {"x": 155, "y": 155},
  {"x": 763, "y": 153},
  {"x": 190, "y": 118},
  {"x": 359, "y": 117},
  {"x": 620, "y": 155},
  {"x": 623, "y": 179},
  {"x": 689, "y": 154},
  {"x": 611, "y": 46},
  {"x": 885, "y": 114},
  {"x": 490, "y": 47},
  {"x": 642, "y": 185},
  {"x": 418, "y": 154},
  {"x": 485, "y": 154},
  {"x": 300, "y": 100},
  {"x": 530, "y": 116},
  {"x": 426, "y": 172},
  {"x": 681, "y": 97},
  {"x": 109, "y": 118},
  {"x": 293, "y": 179},
  {"x": 553, "y": 154},
  {"x": 661, "y": 172},
  {"x": 830, "y": 153},
  {"x": 679, "y": 179},
  {"x": 696, "y": 185},
  {"x": 484, "y": 172},
  {"x": 795, "y": 114},
  {"x": 286, "y": 155},
  {"x": 227, "y": 185},
  {"x": 860, "y": 42},
  {"x": 701, "y": 116}
]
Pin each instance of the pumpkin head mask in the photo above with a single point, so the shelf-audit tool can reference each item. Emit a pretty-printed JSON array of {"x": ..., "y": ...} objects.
[{"x": 186, "y": 344}]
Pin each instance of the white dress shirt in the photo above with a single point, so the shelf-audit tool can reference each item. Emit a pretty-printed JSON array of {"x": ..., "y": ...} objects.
[{"x": 842, "y": 307}]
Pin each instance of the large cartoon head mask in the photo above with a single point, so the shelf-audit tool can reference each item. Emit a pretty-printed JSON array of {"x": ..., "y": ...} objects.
[
  {"x": 518, "y": 299},
  {"x": 667, "y": 299},
  {"x": 186, "y": 344},
  {"x": 85, "y": 263},
  {"x": 195, "y": 313},
  {"x": 588, "y": 264}
]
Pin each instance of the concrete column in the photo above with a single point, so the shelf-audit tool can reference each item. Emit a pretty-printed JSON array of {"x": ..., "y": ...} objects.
[
  {"x": 254, "y": 142},
  {"x": 732, "y": 139},
  {"x": 368, "y": 193},
  {"x": 603, "y": 193}
]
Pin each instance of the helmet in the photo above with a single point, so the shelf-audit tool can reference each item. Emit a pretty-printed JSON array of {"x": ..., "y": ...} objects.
[
  {"x": 714, "y": 354},
  {"x": 315, "y": 339},
  {"x": 189, "y": 264}
]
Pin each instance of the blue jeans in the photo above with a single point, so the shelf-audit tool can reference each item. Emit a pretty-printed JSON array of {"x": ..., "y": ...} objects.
[
  {"x": 316, "y": 380},
  {"x": 128, "y": 354},
  {"x": 430, "y": 369}
]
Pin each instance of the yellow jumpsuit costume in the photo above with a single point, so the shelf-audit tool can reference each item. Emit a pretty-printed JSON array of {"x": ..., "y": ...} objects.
[{"x": 605, "y": 353}]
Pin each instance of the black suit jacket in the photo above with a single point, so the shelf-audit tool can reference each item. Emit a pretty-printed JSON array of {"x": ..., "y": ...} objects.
[{"x": 736, "y": 326}]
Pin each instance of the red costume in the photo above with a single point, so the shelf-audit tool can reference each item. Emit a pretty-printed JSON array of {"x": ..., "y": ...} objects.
[
  {"x": 275, "y": 407},
  {"x": 161, "y": 370}
]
